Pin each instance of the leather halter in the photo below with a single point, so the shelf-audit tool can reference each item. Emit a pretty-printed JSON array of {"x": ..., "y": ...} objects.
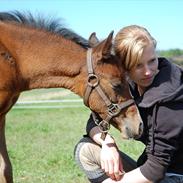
[{"x": 112, "y": 108}]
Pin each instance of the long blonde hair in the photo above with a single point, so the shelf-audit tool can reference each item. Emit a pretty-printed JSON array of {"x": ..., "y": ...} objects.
[{"x": 129, "y": 44}]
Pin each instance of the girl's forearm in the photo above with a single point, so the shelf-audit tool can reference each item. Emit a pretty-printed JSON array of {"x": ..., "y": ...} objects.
[
  {"x": 134, "y": 176},
  {"x": 95, "y": 134}
]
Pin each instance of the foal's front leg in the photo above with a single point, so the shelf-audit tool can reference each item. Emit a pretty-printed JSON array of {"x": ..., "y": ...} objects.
[
  {"x": 5, "y": 164},
  {"x": 7, "y": 100}
]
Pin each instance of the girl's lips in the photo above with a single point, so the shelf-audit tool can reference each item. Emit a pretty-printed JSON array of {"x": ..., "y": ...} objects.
[{"x": 148, "y": 78}]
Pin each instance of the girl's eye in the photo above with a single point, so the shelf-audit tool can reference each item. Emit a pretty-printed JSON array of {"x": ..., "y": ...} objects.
[
  {"x": 152, "y": 61},
  {"x": 138, "y": 66}
]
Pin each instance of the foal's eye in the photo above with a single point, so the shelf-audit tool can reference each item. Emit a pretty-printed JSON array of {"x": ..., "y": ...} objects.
[{"x": 118, "y": 88}]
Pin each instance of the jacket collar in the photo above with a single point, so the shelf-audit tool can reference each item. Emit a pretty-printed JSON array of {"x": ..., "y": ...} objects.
[{"x": 166, "y": 85}]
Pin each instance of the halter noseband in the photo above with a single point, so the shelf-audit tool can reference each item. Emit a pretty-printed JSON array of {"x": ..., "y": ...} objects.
[{"x": 112, "y": 108}]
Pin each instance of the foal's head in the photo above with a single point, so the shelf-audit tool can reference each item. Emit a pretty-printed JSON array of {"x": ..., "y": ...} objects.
[{"x": 109, "y": 76}]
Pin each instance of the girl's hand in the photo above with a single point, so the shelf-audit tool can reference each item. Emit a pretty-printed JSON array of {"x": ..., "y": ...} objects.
[{"x": 110, "y": 159}]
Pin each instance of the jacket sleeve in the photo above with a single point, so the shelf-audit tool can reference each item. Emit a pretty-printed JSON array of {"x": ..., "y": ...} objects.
[
  {"x": 91, "y": 123},
  {"x": 164, "y": 140}
]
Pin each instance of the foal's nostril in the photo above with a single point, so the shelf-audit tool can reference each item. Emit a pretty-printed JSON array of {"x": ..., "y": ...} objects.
[
  {"x": 141, "y": 127},
  {"x": 132, "y": 133}
]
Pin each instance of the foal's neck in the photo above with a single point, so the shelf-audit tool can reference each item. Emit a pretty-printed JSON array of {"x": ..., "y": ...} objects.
[
  {"x": 45, "y": 60},
  {"x": 60, "y": 63}
]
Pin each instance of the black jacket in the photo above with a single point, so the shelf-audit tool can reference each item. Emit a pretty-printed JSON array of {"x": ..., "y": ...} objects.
[{"x": 161, "y": 109}]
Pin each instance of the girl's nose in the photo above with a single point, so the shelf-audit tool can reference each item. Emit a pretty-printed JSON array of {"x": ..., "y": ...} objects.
[{"x": 147, "y": 71}]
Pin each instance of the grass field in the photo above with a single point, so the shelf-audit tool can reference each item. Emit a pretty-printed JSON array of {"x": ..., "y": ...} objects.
[{"x": 41, "y": 142}]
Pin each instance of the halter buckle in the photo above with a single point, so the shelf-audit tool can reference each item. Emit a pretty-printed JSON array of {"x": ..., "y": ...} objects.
[
  {"x": 104, "y": 126},
  {"x": 114, "y": 109}
]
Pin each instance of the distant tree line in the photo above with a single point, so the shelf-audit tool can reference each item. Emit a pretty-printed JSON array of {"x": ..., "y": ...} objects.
[{"x": 174, "y": 55}]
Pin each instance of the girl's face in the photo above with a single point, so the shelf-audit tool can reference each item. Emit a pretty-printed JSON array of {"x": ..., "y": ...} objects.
[{"x": 147, "y": 68}]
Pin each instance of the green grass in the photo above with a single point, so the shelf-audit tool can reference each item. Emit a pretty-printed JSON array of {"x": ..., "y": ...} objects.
[{"x": 41, "y": 143}]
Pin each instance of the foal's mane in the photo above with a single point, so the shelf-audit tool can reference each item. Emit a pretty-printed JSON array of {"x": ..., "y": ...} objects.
[{"x": 48, "y": 24}]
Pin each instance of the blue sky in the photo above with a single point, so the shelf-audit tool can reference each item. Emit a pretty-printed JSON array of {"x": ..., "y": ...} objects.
[{"x": 163, "y": 18}]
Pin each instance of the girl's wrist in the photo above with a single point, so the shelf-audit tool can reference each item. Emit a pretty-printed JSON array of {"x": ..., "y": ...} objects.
[{"x": 109, "y": 140}]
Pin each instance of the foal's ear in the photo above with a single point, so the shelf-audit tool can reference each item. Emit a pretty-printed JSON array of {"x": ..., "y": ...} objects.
[
  {"x": 93, "y": 40},
  {"x": 107, "y": 46}
]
